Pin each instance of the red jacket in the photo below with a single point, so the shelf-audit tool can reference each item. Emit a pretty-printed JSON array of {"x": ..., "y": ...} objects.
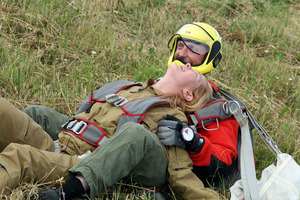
[
  {"x": 217, "y": 159},
  {"x": 221, "y": 143}
]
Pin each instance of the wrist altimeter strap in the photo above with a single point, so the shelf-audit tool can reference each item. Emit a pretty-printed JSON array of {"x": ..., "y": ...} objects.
[{"x": 196, "y": 145}]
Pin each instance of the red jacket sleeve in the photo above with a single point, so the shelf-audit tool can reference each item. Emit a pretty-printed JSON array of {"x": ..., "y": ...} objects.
[{"x": 220, "y": 144}]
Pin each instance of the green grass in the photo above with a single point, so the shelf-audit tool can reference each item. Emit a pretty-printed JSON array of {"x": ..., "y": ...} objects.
[{"x": 56, "y": 52}]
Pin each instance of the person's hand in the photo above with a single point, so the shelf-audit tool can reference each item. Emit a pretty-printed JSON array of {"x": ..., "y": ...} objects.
[
  {"x": 172, "y": 132},
  {"x": 168, "y": 133}
]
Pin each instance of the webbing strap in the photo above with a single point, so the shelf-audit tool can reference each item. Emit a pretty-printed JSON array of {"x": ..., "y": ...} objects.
[
  {"x": 261, "y": 131},
  {"x": 248, "y": 174},
  {"x": 85, "y": 130}
]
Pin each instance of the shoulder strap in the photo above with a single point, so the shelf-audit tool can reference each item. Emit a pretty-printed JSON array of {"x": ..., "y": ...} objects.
[
  {"x": 99, "y": 95},
  {"x": 213, "y": 112},
  {"x": 136, "y": 110},
  {"x": 248, "y": 175},
  {"x": 262, "y": 132}
]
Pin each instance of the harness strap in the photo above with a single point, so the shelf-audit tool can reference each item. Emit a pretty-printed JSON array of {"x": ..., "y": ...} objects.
[
  {"x": 213, "y": 112},
  {"x": 134, "y": 111},
  {"x": 261, "y": 131},
  {"x": 213, "y": 85},
  {"x": 86, "y": 130},
  {"x": 248, "y": 174}
]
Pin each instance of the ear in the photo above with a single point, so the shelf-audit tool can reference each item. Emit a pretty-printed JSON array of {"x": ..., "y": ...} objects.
[{"x": 188, "y": 95}]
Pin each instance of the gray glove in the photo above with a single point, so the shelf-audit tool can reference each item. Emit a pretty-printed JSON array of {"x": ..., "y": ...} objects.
[
  {"x": 168, "y": 133},
  {"x": 172, "y": 132}
]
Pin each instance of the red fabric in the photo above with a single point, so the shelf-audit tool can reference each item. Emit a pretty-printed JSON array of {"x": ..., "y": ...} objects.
[
  {"x": 213, "y": 85},
  {"x": 221, "y": 143}
]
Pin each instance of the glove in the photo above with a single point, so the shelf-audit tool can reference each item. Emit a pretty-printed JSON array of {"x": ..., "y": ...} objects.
[
  {"x": 173, "y": 132},
  {"x": 168, "y": 133}
]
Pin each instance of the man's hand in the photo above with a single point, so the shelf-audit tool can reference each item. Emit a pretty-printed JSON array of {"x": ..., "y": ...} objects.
[
  {"x": 172, "y": 132},
  {"x": 168, "y": 133}
]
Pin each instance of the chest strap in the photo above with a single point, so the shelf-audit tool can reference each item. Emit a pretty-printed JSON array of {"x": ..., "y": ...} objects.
[
  {"x": 86, "y": 130},
  {"x": 213, "y": 112}
]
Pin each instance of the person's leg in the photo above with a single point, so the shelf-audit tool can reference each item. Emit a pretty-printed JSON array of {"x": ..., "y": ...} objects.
[
  {"x": 132, "y": 150},
  {"x": 17, "y": 127},
  {"x": 50, "y": 120},
  {"x": 23, "y": 163}
]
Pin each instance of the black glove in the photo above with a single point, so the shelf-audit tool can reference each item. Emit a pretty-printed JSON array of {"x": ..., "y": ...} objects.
[{"x": 173, "y": 132}]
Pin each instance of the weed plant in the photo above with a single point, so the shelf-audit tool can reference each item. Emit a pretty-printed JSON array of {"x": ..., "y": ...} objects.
[{"x": 57, "y": 52}]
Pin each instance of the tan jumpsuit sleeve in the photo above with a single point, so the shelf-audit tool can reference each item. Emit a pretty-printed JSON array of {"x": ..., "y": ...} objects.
[{"x": 181, "y": 178}]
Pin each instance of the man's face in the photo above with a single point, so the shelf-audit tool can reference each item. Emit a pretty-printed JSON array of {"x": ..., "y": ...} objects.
[{"x": 187, "y": 56}]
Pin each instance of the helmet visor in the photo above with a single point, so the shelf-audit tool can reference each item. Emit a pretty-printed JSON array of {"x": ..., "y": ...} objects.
[{"x": 195, "y": 46}]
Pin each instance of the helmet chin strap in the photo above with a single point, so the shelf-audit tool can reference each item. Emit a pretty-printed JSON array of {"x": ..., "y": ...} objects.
[
  {"x": 177, "y": 62},
  {"x": 180, "y": 60}
]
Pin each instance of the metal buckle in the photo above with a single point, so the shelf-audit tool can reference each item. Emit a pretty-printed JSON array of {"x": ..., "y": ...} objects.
[
  {"x": 115, "y": 100},
  {"x": 111, "y": 98},
  {"x": 230, "y": 106},
  {"x": 121, "y": 101},
  {"x": 212, "y": 129},
  {"x": 194, "y": 119},
  {"x": 70, "y": 124},
  {"x": 76, "y": 126}
]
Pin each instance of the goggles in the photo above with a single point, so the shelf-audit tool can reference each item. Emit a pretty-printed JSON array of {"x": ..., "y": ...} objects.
[{"x": 195, "y": 46}]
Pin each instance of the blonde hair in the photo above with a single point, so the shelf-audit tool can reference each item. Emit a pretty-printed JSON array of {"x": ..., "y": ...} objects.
[{"x": 202, "y": 96}]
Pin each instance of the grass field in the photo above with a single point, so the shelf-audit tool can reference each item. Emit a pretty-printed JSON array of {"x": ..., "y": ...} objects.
[{"x": 56, "y": 52}]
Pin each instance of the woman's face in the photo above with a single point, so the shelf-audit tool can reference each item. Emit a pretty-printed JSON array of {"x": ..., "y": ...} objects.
[{"x": 185, "y": 77}]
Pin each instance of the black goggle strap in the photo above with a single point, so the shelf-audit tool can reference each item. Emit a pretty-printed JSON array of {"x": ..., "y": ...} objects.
[{"x": 215, "y": 54}]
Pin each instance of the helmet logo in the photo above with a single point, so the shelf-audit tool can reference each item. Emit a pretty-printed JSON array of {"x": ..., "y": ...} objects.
[{"x": 189, "y": 32}]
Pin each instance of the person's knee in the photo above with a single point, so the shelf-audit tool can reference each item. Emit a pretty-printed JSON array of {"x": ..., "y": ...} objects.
[
  {"x": 4, "y": 105},
  {"x": 134, "y": 130},
  {"x": 140, "y": 135},
  {"x": 33, "y": 110}
]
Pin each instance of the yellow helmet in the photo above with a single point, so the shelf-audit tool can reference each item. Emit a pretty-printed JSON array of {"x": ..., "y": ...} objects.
[{"x": 200, "y": 35}]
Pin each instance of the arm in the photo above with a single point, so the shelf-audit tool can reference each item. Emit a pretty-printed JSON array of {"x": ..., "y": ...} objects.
[
  {"x": 219, "y": 144},
  {"x": 181, "y": 178},
  {"x": 206, "y": 145},
  {"x": 217, "y": 158},
  {"x": 217, "y": 165}
]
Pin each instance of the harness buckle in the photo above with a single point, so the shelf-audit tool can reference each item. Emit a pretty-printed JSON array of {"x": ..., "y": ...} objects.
[
  {"x": 233, "y": 108},
  {"x": 230, "y": 106},
  {"x": 211, "y": 129},
  {"x": 111, "y": 98},
  {"x": 115, "y": 100},
  {"x": 76, "y": 126},
  {"x": 121, "y": 101},
  {"x": 194, "y": 119}
]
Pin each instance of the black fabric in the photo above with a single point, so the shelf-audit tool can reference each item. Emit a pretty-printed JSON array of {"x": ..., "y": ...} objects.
[
  {"x": 214, "y": 50},
  {"x": 218, "y": 175},
  {"x": 73, "y": 188}
]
